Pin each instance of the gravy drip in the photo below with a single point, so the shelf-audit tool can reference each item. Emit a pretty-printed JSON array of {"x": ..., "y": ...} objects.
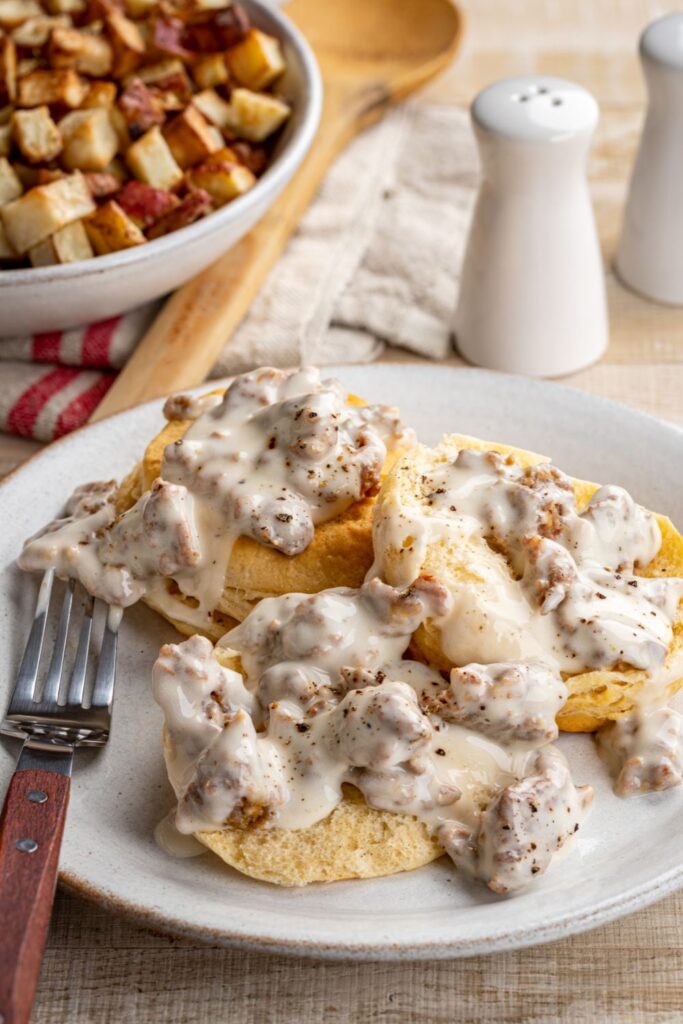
[
  {"x": 644, "y": 750},
  {"x": 277, "y": 454},
  {"x": 546, "y": 583},
  {"x": 325, "y": 698}
]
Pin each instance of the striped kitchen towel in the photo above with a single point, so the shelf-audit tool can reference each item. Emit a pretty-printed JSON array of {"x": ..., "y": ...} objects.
[{"x": 52, "y": 383}]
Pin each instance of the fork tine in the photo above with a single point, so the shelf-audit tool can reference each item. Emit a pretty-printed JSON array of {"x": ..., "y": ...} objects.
[
  {"x": 54, "y": 673},
  {"x": 28, "y": 670},
  {"x": 103, "y": 690},
  {"x": 77, "y": 681}
]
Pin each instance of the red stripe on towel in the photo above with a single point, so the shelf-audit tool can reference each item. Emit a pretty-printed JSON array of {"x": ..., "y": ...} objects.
[
  {"x": 27, "y": 408},
  {"x": 97, "y": 340},
  {"x": 81, "y": 408},
  {"x": 46, "y": 347}
]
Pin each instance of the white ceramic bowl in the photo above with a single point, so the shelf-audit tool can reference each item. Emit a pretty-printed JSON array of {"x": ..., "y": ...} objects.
[{"x": 52, "y": 298}]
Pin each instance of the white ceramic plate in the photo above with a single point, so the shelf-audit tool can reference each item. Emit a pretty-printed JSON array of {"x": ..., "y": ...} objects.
[{"x": 628, "y": 855}]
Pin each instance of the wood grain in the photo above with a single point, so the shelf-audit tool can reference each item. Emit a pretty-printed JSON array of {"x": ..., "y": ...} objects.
[
  {"x": 371, "y": 55},
  {"x": 27, "y": 884},
  {"x": 100, "y": 969}
]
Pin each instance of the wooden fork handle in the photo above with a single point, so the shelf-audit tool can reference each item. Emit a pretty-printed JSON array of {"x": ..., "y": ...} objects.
[{"x": 31, "y": 827}]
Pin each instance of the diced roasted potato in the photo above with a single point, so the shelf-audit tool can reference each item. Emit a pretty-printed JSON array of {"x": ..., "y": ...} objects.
[
  {"x": 68, "y": 245},
  {"x": 222, "y": 179},
  {"x": 8, "y": 68},
  {"x": 141, "y": 108},
  {"x": 252, "y": 156},
  {"x": 214, "y": 108},
  {"x": 151, "y": 160},
  {"x": 256, "y": 115},
  {"x": 145, "y": 204},
  {"x": 15, "y": 12},
  {"x": 7, "y": 251},
  {"x": 45, "y": 209},
  {"x": 208, "y": 5},
  {"x": 193, "y": 206},
  {"x": 100, "y": 94},
  {"x": 154, "y": 73},
  {"x": 65, "y": 6},
  {"x": 127, "y": 41},
  {"x": 36, "y": 31},
  {"x": 110, "y": 229},
  {"x": 210, "y": 71},
  {"x": 90, "y": 141},
  {"x": 27, "y": 65},
  {"x": 46, "y": 87},
  {"x": 102, "y": 184},
  {"x": 28, "y": 176},
  {"x": 191, "y": 138},
  {"x": 257, "y": 61},
  {"x": 6, "y": 114},
  {"x": 5, "y": 139},
  {"x": 10, "y": 184},
  {"x": 86, "y": 52},
  {"x": 138, "y": 8},
  {"x": 36, "y": 134}
]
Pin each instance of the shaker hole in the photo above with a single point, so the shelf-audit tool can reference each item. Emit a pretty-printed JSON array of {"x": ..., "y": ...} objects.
[
  {"x": 557, "y": 103},
  {"x": 542, "y": 91}
]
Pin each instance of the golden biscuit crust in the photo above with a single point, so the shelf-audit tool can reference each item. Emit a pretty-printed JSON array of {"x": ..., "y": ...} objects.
[{"x": 595, "y": 697}]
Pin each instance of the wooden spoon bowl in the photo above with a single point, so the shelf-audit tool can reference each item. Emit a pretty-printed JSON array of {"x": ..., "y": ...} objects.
[{"x": 372, "y": 54}]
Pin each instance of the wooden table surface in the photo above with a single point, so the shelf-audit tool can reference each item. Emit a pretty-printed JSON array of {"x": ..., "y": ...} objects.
[{"x": 101, "y": 969}]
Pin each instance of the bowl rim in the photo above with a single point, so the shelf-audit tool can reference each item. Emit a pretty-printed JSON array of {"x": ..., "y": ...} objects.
[{"x": 274, "y": 178}]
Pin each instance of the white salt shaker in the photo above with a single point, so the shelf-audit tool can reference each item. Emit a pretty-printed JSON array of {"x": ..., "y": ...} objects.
[
  {"x": 532, "y": 292},
  {"x": 650, "y": 257}
]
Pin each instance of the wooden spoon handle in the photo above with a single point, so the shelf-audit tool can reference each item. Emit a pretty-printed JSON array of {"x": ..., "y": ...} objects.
[
  {"x": 189, "y": 334},
  {"x": 28, "y": 875}
]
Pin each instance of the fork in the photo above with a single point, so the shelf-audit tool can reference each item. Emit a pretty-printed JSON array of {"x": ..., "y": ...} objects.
[{"x": 33, "y": 816}]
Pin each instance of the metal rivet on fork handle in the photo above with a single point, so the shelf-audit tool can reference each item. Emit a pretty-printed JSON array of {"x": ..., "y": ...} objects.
[
  {"x": 36, "y": 796},
  {"x": 26, "y": 845}
]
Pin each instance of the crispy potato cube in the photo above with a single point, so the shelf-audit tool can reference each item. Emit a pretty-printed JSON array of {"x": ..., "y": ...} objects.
[
  {"x": 256, "y": 115},
  {"x": 90, "y": 140},
  {"x": 7, "y": 251},
  {"x": 45, "y": 209},
  {"x": 191, "y": 208},
  {"x": 100, "y": 94},
  {"x": 65, "y": 6},
  {"x": 36, "y": 135},
  {"x": 5, "y": 139},
  {"x": 150, "y": 160},
  {"x": 28, "y": 176},
  {"x": 141, "y": 108},
  {"x": 152, "y": 74},
  {"x": 110, "y": 229},
  {"x": 86, "y": 52},
  {"x": 223, "y": 180},
  {"x": 10, "y": 184},
  {"x": 208, "y": 5},
  {"x": 214, "y": 108},
  {"x": 191, "y": 138},
  {"x": 139, "y": 8},
  {"x": 68, "y": 245},
  {"x": 8, "y": 68},
  {"x": 46, "y": 87},
  {"x": 27, "y": 65},
  {"x": 145, "y": 204},
  {"x": 16, "y": 12},
  {"x": 6, "y": 114},
  {"x": 127, "y": 41},
  {"x": 36, "y": 31},
  {"x": 256, "y": 61},
  {"x": 210, "y": 70}
]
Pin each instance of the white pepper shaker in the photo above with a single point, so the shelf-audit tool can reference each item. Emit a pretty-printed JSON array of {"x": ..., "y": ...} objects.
[
  {"x": 650, "y": 257},
  {"x": 532, "y": 292}
]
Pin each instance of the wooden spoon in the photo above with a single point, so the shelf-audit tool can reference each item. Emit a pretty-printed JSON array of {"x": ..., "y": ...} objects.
[{"x": 372, "y": 53}]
